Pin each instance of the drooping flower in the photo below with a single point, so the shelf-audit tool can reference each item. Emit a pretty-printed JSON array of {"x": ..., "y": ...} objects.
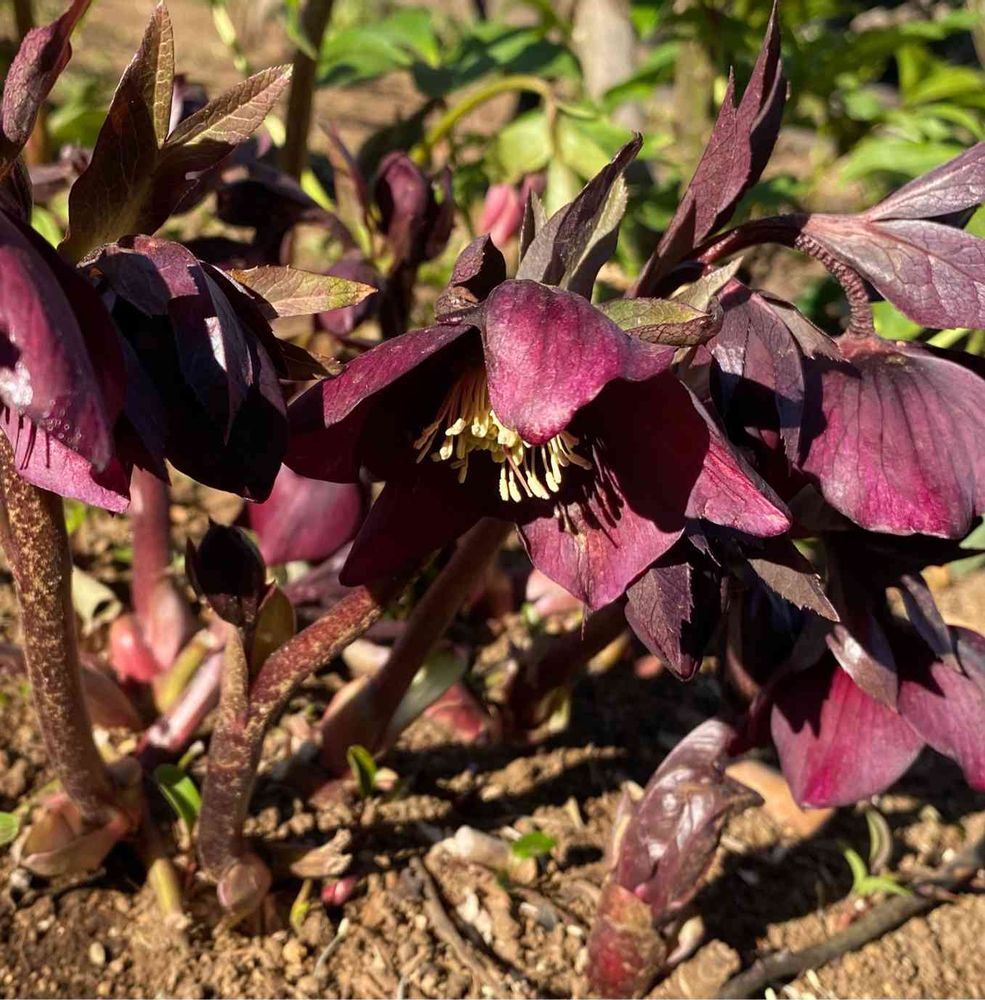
[{"x": 534, "y": 408}]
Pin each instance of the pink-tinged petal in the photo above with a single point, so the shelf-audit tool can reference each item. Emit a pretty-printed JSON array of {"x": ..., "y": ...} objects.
[
  {"x": 728, "y": 492},
  {"x": 933, "y": 273},
  {"x": 632, "y": 508},
  {"x": 305, "y": 518},
  {"x": 836, "y": 744},
  {"x": 947, "y": 709},
  {"x": 327, "y": 421},
  {"x": 412, "y": 517},
  {"x": 549, "y": 353},
  {"x": 44, "y": 461},
  {"x": 501, "y": 213},
  {"x": 970, "y": 647},
  {"x": 899, "y": 446},
  {"x": 864, "y": 653}
]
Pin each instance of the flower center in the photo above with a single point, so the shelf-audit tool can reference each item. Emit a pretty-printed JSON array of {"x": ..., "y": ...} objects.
[{"x": 471, "y": 425}]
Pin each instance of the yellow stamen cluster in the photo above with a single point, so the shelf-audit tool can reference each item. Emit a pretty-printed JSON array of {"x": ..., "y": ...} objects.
[{"x": 471, "y": 425}]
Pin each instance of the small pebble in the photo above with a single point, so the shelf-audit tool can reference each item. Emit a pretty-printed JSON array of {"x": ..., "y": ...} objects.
[
  {"x": 294, "y": 952},
  {"x": 97, "y": 953},
  {"x": 309, "y": 986}
]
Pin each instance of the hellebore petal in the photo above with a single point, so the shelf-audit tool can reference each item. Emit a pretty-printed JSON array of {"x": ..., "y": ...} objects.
[
  {"x": 899, "y": 449},
  {"x": 328, "y": 420},
  {"x": 43, "y": 460},
  {"x": 549, "y": 352},
  {"x": 305, "y": 518},
  {"x": 947, "y": 709},
  {"x": 415, "y": 223},
  {"x": 675, "y": 607},
  {"x": 414, "y": 515},
  {"x": 502, "y": 212},
  {"x": 52, "y": 322},
  {"x": 836, "y": 744},
  {"x": 632, "y": 510}
]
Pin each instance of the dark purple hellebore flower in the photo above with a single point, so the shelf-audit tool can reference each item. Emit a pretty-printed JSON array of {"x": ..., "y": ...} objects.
[
  {"x": 899, "y": 448},
  {"x": 536, "y": 409},
  {"x": 838, "y": 744}
]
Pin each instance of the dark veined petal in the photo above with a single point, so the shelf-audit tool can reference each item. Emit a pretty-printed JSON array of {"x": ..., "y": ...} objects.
[
  {"x": 43, "y": 460},
  {"x": 633, "y": 508},
  {"x": 413, "y": 516},
  {"x": 328, "y": 420},
  {"x": 836, "y": 744},
  {"x": 51, "y": 321},
  {"x": 947, "y": 708},
  {"x": 899, "y": 446},
  {"x": 549, "y": 353}
]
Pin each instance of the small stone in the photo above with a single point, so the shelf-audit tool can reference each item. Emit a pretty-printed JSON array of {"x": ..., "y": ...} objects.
[
  {"x": 309, "y": 986},
  {"x": 97, "y": 953},
  {"x": 294, "y": 952}
]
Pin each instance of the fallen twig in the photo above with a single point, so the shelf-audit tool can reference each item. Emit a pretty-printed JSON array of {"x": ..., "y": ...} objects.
[
  {"x": 884, "y": 918},
  {"x": 445, "y": 928}
]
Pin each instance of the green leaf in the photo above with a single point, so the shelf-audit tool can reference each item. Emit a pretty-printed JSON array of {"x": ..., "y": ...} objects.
[
  {"x": 523, "y": 147},
  {"x": 46, "y": 224},
  {"x": 858, "y": 867},
  {"x": 10, "y": 826},
  {"x": 657, "y": 68},
  {"x": 436, "y": 676},
  {"x": 882, "y": 883},
  {"x": 179, "y": 790},
  {"x": 892, "y": 324},
  {"x": 535, "y": 844},
  {"x": 562, "y": 185},
  {"x": 289, "y": 291},
  {"x": 579, "y": 150},
  {"x": 896, "y": 157},
  {"x": 363, "y": 769},
  {"x": 76, "y": 513}
]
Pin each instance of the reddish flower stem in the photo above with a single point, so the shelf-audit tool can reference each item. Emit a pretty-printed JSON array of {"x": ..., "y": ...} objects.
[
  {"x": 150, "y": 527},
  {"x": 363, "y": 718},
  {"x": 557, "y": 662},
  {"x": 237, "y": 741},
  {"x": 787, "y": 230},
  {"x": 36, "y": 546}
]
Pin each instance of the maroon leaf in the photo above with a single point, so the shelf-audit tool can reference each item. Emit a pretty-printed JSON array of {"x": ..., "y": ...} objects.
[
  {"x": 480, "y": 267},
  {"x": 571, "y": 247},
  {"x": 782, "y": 569},
  {"x": 865, "y": 655},
  {"x": 43, "y": 54},
  {"x": 737, "y": 152},
  {"x": 899, "y": 450},
  {"x": 661, "y": 848},
  {"x": 935, "y": 274},
  {"x": 926, "y": 618},
  {"x": 760, "y": 365},
  {"x": 836, "y": 744},
  {"x": 675, "y": 607},
  {"x": 108, "y": 200},
  {"x": 951, "y": 187}
]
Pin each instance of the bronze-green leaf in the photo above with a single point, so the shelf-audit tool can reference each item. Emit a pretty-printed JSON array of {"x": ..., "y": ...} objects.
[{"x": 288, "y": 291}]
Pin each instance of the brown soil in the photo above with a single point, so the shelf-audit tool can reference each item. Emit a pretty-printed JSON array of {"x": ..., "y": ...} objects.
[{"x": 104, "y": 937}]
